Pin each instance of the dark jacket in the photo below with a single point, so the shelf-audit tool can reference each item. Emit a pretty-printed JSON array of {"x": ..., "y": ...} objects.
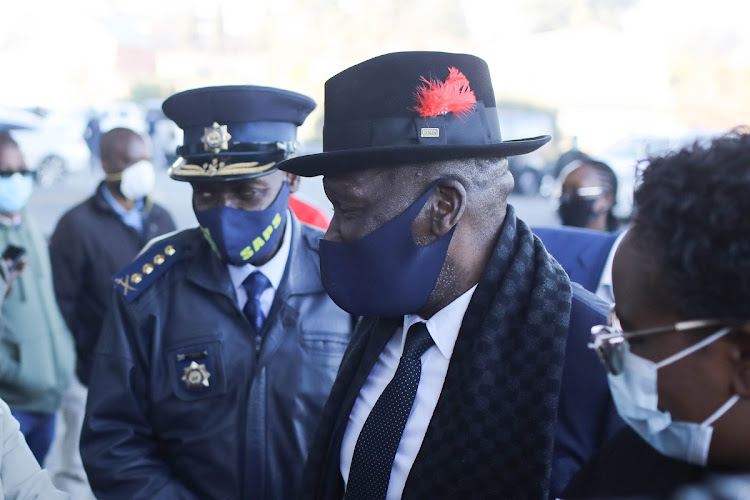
[
  {"x": 89, "y": 245},
  {"x": 581, "y": 252},
  {"x": 628, "y": 466},
  {"x": 246, "y": 433},
  {"x": 586, "y": 416}
]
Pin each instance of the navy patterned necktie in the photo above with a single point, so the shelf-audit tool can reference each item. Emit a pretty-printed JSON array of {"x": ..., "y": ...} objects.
[
  {"x": 255, "y": 285},
  {"x": 376, "y": 445}
]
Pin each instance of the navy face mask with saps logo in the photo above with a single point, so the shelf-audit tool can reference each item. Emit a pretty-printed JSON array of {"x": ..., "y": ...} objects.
[
  {"x": 385, "y": 273},
  {"x": 245, "y": 236}
]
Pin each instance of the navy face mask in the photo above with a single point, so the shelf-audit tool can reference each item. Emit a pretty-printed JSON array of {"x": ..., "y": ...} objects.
[
  {"x": 385, "y": 273},
  {"x": 576, "y": 211},
  {"x": 245, "y": 236}
]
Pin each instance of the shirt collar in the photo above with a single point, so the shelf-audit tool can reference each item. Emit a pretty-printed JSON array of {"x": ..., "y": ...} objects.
[
  {"x": 445, "y": 324},
  {"x": 606, "y": 279},
  {"x": 273, "y": 269},
  {"x": 115, "y": 205}
]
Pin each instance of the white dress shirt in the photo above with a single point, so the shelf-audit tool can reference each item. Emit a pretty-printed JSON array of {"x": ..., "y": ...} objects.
[
  {"x": 443, "y": 327},
  {"x": 604, "y": 290},
  {"x": 273, "y": 269}
]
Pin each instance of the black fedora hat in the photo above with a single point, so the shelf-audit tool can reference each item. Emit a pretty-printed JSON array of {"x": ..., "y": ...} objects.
[
  {"x": 409, "y": 107},
  {"x": 234, "y": 132}
]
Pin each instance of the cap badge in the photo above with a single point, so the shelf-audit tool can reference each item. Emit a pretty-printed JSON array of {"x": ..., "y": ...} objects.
[
  {"x": 216, "y": 137},
  {"x": 440, "y": 98},
  {"x": 195, "y": 376}
]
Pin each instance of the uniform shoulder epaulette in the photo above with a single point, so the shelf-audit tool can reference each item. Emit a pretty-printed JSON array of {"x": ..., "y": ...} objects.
[{"x": 146, "y": 268}]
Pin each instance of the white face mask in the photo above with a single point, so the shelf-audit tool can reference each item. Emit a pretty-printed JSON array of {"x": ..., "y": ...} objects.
[
  {"x": 138, "y": 180},
  {"x": 636, "y": 397}
]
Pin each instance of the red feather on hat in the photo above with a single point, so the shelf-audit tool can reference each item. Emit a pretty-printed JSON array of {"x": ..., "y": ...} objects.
[{"x": 439, "y": 98}]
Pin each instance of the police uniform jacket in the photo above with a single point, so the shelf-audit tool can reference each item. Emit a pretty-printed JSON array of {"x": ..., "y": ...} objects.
[{"x": 151, "y": 433}]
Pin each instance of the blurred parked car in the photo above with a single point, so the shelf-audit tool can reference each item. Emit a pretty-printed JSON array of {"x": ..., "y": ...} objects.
[
  {"x": 529, "y": 170},
  {"x": 55, "y": 146},
  {"x": 123, "y": 114},
  {"x": 625, "y": 155},
  {"x": 14, "y": 119},
  {"x": 165, "y": 135}
]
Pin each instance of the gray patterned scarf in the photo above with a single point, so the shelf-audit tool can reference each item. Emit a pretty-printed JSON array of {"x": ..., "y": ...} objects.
[{"x": 493, "y": 429}]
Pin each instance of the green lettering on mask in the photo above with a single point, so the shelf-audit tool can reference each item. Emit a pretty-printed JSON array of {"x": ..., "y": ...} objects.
[
  {"x": 276, "y": 220},
  {"x": 246, "y": 253},
  {"x": 267, "y": 232},
  {"x": 258, "y": 243}
]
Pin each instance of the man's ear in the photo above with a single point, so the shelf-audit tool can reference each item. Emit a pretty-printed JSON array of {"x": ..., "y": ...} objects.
[
  {"x": 442, "y": 211},
  {"x": 293, "y": 181}
]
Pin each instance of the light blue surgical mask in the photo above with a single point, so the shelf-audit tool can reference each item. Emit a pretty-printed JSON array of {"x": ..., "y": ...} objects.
[
  {"x": 635, "y": 394},
  {"x": 15, "y": 191}
]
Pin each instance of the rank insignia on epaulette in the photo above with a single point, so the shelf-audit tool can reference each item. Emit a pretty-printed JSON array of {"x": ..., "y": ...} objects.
[{"x": 144, "y": 270}]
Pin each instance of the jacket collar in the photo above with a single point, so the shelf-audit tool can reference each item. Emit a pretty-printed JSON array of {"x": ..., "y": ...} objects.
[
  {"x": 206, "y": 269},
  {"x": 101, "y": 203},
  {"x": 302, "y": 274}
]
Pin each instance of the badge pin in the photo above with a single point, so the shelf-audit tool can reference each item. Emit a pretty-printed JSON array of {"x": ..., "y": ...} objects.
[
  {"x": 195, "y": 376},
  {"x": 216, "y": 137},
  {"x": 430, "y": 132}
]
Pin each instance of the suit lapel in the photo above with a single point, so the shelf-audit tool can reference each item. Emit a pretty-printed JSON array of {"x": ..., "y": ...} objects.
[
  {"x": 591, "y": 260},
  {"x": 368, "y": 342}
]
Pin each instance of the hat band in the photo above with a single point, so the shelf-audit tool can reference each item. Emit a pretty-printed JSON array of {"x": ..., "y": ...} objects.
[
  {"x": 248, "y": 132},
  {"x": 238, "y": 148},
  {"x": 477, "y": 128}
]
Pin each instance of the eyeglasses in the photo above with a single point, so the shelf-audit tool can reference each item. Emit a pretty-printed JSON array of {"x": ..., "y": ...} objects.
[
  {"x": 582, "y": 192},
  {"x": 610, "y": 341}
]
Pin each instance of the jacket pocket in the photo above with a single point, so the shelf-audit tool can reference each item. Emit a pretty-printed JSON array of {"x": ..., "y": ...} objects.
[
  {"x": 196, "y": 369},
  {"x": 332, "y": 343}
]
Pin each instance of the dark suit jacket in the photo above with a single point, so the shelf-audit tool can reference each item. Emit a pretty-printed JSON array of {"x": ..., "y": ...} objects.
[
  {"x": 586, "y": 414},
  {"x": 581, "y": 252},
  {"x": 628, "y": 467}
]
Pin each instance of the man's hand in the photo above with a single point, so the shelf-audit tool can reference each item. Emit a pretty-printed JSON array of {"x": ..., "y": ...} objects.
[{"x": 14, "y": 271}]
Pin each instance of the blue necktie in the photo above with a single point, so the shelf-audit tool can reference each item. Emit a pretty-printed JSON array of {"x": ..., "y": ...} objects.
[
  {"x": 376, "y": 445},
  {"x": 255, "y": 285}
]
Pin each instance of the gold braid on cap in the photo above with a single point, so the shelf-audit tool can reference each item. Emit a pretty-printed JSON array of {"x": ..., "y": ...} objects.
[{"x": 215, "y": 167}]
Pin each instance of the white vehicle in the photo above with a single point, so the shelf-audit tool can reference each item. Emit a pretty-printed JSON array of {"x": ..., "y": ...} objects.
[{"x": 56, "y": 146}]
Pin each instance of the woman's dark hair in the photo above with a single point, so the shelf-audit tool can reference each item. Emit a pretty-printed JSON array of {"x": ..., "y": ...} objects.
[
  {"x": 692, "y": 213},
  {"x": 609, "y": 184}
]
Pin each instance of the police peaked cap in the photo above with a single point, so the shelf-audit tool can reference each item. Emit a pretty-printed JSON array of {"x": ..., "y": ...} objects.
[
  {"x": 409, "y": 107},
  {"x": 236, "y": 131}
]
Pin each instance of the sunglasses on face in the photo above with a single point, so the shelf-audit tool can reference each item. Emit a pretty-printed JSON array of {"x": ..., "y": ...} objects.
[
  {"x": 9, "y": 173},
  {"x": 582, "y": 192},
  {"x": 610, "y": 342}
]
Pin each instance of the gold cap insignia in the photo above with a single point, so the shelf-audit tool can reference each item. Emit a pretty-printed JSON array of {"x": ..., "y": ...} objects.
[
  {"x": 195, "y": 376},
  {"x": 215, "y": 138}
]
